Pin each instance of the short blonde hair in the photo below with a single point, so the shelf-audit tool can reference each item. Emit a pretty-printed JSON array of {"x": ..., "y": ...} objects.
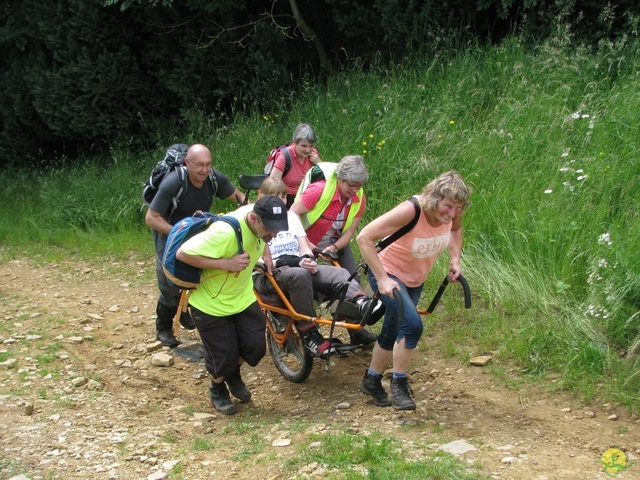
[
  {"x": 447, "y": 185},
  {"x": 273, "y": 186}
]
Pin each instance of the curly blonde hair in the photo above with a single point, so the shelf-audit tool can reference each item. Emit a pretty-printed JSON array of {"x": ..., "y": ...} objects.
[{"x": 447, "y": 185}]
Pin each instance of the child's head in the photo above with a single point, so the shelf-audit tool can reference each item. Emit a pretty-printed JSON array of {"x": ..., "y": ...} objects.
[{"x": 274, "y": 186}]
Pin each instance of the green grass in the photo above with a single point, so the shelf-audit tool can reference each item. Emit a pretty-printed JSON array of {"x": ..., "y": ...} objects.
[
  {"x": 546, "y": 137},
  {"x": 9, "y": 467},
  {"x": 250, "y": 448},
  {"x": 348, "y": 456},
  {"x": 201, "y": 444},
  {"x": 188, "y": 409}
]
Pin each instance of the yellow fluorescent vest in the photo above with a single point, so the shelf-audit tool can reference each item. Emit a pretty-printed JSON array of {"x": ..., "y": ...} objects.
[{"x": 328, "y": 169}]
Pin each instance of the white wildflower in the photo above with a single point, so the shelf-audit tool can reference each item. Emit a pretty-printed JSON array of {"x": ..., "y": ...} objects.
[
  {"x": 548, "y": 190},
  {"x": 605, "y": 239},
  {"x": 575, "y": 115},
  {"x": 597, "y": 311},
  {"x": 582, "y": 177}
]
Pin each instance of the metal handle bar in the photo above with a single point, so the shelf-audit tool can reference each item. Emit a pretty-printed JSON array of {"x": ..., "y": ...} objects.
[
  {"x": 443, "y": 286},
  {"x": 331, "y": 255},
  {"x": 432, "y": 306}
]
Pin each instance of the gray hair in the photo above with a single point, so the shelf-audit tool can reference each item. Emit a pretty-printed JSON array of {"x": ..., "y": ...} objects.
[
  {"x": 447, "y": 185},
  {"x": 352, "y": 169},
  {"x": 304, "y": 131}
]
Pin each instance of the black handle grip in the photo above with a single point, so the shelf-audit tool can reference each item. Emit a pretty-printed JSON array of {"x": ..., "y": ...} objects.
[
  {"x": 399, "y": 301},
  {"x": 443, "y": 286},
  {"x": 319, "y": 253}
]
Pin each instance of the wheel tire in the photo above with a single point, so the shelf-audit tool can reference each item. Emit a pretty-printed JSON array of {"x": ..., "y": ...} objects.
[{"x": 291, "y": 359}]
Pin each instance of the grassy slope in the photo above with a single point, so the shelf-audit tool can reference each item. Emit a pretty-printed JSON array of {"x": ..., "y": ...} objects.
[{"x": 549, "y": 141}]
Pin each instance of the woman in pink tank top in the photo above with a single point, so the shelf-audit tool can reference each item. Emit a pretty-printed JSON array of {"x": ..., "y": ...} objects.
[{"x": 404, "y": 266}]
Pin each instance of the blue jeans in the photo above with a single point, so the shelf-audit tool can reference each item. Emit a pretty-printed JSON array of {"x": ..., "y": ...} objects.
[{"x": 393, "y": 330}]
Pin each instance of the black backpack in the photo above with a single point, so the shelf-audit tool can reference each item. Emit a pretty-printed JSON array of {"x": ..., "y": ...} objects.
[{"x": 173, "y": 160}]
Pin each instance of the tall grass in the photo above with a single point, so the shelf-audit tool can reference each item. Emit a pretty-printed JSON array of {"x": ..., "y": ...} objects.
[{"x": 547, "y": 138}]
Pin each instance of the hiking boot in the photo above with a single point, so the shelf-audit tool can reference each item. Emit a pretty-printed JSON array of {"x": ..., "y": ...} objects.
[
  {"x": 362, "y": 337},
  {"x": 167, "y": 338},
  {"x": 377, "y": 310},
  {"x": 401, "y": 394},
  {"x": 372, "y": 385},
  {"x": 219, "y": 396},
  {"x": 316, "y": 343},
  {"x": 237, "y": 387},
  {"x": 187, "y": 321},
  {"x": 164, "y": 325}
]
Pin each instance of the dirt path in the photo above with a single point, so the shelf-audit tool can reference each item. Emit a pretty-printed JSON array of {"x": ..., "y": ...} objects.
[{"x": 74, "y": 345}]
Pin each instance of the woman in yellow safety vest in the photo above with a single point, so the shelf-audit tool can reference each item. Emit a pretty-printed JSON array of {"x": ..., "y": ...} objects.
[{"x": 331, "y": 208}]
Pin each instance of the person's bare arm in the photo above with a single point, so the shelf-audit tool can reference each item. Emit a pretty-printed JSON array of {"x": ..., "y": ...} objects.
[
  {"x": 237, "y": 196},
  {"x": 299, "y": 208},
  {"x": 276, "y": 173},
  {"x": 157, "y": 222},
  {"x": 236, "y": 263},
  {"x": 345, "y": 238},
  {"x": 455, "y": 249},
  {"x": 381, "y": 227}
]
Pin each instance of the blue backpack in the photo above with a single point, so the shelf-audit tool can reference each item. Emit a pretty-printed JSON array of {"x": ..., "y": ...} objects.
[{"x": 179, "y": 273}]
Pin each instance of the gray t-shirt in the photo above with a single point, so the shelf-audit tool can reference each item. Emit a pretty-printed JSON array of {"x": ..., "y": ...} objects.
[{"x": 192, "y": 200}]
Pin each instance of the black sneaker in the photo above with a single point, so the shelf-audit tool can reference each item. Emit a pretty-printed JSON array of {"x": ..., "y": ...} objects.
[
  {"x": 372, "y": 385},
  {"x": 167, "y": 338},
  {"x": 316, "y": 343},
  {"x": 237, "y": 387},
  {"x": 362, "y": 337},
  {"x": 187, "y": 321},
  {"x": 219, "y": 396},
  {"x": 401, "y": 394},
  {"x": 377, "y": 311}
]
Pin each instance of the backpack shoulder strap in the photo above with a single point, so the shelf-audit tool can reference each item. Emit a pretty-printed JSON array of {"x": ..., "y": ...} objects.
[
  {"x": 214, "y": 181},
  {"x": 181, "y": 171},
  {"x": 403, "y": 230},
  {"x": 235, "y": 224},
  {"x": 287, "y": 160}
]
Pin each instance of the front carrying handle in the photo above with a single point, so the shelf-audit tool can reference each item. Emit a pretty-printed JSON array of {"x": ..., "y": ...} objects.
[{"x": 445, "y": 282}]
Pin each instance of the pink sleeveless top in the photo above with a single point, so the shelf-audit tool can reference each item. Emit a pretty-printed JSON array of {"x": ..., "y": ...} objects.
[{"x": 411, "y": 257}]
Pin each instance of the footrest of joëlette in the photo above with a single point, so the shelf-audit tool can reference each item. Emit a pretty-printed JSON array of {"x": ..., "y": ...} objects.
[{"x": 342, "y": 348}]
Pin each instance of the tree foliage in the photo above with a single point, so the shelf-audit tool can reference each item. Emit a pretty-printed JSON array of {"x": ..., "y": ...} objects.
[{"x": 81, "y": 74}]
